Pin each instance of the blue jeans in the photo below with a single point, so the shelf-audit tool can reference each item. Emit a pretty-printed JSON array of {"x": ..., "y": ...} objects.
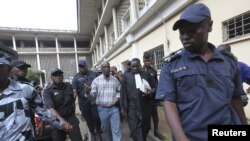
[{"x": 110, "y": 120}]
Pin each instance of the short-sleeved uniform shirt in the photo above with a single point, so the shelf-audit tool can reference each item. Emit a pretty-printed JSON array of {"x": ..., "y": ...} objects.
[
  {"x": 60, "y": 98},
  {"x": 78, "y": 83},
  {"x": 201, "y": 90},
  {"x": 244, "y": 72}
]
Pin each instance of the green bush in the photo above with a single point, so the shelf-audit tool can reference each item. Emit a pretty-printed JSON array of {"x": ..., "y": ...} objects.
[{"x": 33, "y": 75}]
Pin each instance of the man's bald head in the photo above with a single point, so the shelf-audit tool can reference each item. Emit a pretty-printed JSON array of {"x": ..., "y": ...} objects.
[{"x": 224, "y": 47}]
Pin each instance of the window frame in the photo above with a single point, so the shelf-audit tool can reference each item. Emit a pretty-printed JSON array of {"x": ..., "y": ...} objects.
[
  {"x": 236, "y": 27},
  {"x": 157, "y": 61}
]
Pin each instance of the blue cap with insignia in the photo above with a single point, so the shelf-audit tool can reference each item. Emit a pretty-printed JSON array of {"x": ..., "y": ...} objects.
[{"x": 194, "y": 13}]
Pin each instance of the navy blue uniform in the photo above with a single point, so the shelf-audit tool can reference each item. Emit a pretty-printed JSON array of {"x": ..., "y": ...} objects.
[
  {"x": 201, "y": 90},
  {"x": 89, "y": 112},
  {"x": 244, "y": 72},
  {"x": 62, "y": 100}
]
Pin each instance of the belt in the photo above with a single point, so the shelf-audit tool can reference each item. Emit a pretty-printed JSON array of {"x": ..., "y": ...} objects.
[{"x": 105, "y": 106}]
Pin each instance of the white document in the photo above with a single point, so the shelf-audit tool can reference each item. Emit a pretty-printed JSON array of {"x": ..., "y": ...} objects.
[
  {"x": 146, "y": 84},
  {"x": 138, "y": 81},
  {"x": 145, "y": 87},
  {"x": 142, "y": 84}
]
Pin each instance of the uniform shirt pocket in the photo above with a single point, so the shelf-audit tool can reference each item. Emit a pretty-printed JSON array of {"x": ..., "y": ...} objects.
[
  {"x": 186, "y": 86},
  {"x": 224, "y": 85}
]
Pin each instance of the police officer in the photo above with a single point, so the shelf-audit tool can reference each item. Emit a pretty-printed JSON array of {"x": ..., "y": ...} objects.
[
  {"x": 16, "y": 99},
  {"x": 200, "y": 86},
  {"x": 154, "y": 113},
  {"x": 244, "y": 70},
  {"x": 59, "y": 99},
  {"x": 19, "y": 71},
  {"x": 81, "y": 85}
]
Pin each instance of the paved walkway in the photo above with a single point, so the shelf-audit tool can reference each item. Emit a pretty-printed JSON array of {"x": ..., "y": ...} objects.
[{"x": 163, "y": 126}]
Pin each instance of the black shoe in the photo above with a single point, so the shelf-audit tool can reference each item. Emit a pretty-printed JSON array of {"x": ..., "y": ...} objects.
[{"x": 159, "y": 135}]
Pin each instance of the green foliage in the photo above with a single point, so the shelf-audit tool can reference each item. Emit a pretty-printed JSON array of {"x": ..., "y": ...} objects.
[{"x": 33, "y": 75}]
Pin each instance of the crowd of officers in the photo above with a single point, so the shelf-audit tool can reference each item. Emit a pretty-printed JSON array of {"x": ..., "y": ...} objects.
[
  {"x": 199, "y": 85},
  {"x": 105, "y": 99}
]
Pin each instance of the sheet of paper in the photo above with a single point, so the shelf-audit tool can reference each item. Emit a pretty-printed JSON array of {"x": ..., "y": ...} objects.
[
  {"x": 146, "y": 84},
  {"x": 138, "y": 81},
  {"x": 145, "y": 87}
]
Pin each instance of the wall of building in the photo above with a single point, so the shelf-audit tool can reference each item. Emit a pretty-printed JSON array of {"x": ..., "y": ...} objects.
[
  {"x": 125, "y": 55},
  {"x": 153, "y": 39},
  {"x": 220, "y": 12}
]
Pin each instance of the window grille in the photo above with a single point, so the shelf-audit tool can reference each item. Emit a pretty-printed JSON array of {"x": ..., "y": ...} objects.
[
  {"x": 156, "y": 55},
  {"x": 236, "y": 27}
]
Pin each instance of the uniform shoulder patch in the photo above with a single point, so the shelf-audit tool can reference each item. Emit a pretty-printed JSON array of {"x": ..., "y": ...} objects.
[{"x": 173, "y": 55}]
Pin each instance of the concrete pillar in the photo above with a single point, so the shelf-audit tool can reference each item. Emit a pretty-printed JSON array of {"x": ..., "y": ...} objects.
[
  {"x": 57, "y": 53},
  {"x": 115, "y": 22},
  {"x": 98, "y": 17},
  {"x": 106, "y": 39},
  {"x": 76, "y": 56},
  {"x": 101, "y": 46},
  {"x": 97, "y": 52},
  {"x": 95, "y": 56},
  {"x": 103, "y": 5},
  {"x": 14, "y": 41},
  {"x": 38, "y": 58},
  {"x": 37, "y": 54},
  {"x": 93, "y": 61},
  {"x": 133, "y": 11}
]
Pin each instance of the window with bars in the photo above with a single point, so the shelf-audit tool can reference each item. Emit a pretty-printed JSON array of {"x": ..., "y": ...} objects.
[
  {"x": 156, "y": 55},
  {"x": 236, "y": 27}
]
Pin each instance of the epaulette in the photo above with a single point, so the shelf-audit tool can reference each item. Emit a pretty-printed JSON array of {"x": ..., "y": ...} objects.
[
  {"x": 229, "y": 54},
  {"x": 172, "y": 56}
]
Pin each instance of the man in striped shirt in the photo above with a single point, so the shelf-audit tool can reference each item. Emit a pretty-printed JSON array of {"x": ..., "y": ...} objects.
[{"x": 106, "y": 89}]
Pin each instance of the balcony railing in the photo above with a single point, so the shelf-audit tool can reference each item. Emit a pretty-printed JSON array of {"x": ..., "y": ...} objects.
[{"x": 26, "y": 49}]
